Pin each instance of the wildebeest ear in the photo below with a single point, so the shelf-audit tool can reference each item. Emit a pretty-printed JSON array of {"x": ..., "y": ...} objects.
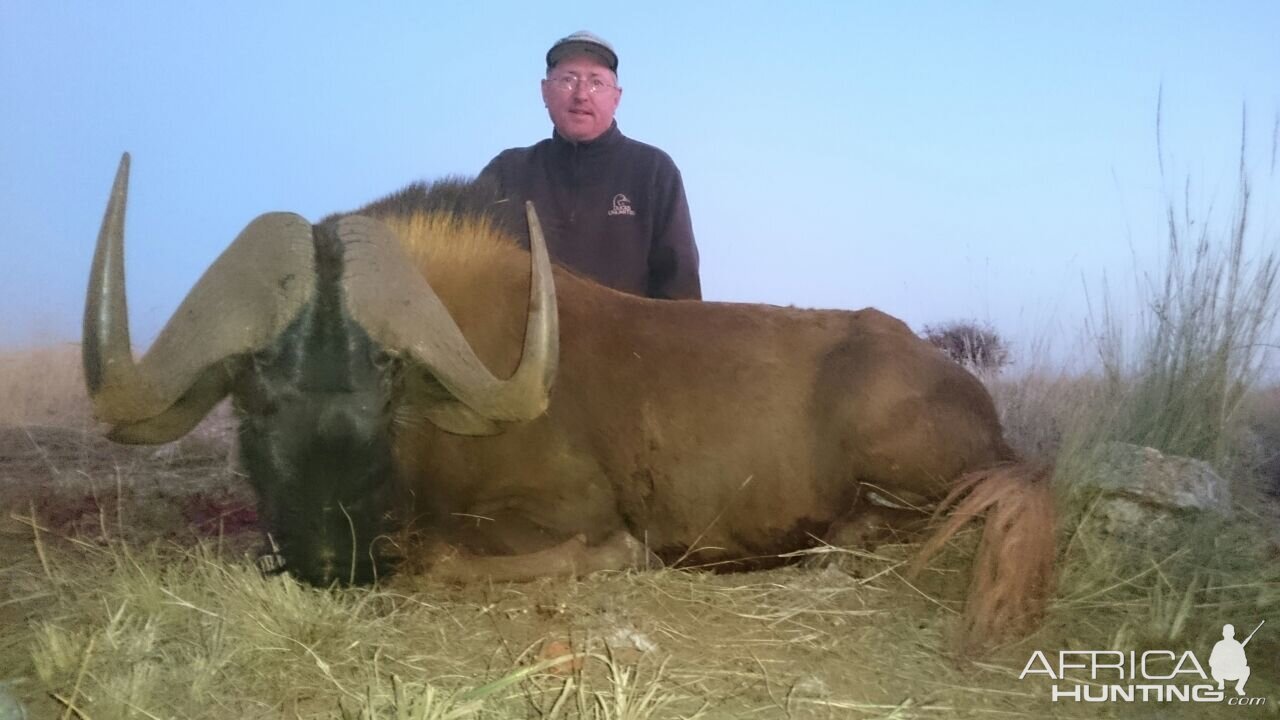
[
  {"x": 424, "y": 398},
  {"x": 452, "y": 416}
]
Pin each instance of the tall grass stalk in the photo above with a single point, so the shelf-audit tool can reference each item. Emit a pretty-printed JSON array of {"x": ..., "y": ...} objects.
[{"x": 1201, "y": 337}]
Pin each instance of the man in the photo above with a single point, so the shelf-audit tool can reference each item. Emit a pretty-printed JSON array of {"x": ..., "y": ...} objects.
[{"x": 613, "y": 209}]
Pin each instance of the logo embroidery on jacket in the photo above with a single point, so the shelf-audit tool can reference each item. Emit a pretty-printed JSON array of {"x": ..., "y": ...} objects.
[{"x": 621, "y": 205}]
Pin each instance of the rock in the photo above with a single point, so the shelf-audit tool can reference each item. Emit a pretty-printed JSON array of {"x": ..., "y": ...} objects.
[
  {"x": 1169, "y": 481},
  {"x": 632, "y": 639},
  {"x": 1144, "y": 492},
  {"x": 810, "y": 688}
]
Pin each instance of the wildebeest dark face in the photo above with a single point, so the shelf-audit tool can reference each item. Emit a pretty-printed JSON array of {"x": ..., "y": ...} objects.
[
  {"x": 322, "y": 468},
  {"x": 315, "y": 410},
  {"x": 310, "y": 330},
  {"x": 321, "y": 462}
]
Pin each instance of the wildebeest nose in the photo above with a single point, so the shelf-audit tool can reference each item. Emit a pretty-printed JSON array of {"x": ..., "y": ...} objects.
[
  {"x": 340, "y": 417},
  {"x": 334, "y": 423}
]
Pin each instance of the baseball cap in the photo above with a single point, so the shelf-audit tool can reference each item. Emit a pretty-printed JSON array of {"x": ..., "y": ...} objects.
[{"x": 583, "y": 42}]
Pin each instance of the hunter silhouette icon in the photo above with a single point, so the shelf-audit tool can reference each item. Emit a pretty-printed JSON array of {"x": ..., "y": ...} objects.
[{"x": 1227, "y": 661}]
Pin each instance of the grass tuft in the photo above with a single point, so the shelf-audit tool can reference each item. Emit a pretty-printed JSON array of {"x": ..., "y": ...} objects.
[{"x": 1200, "y": 341}]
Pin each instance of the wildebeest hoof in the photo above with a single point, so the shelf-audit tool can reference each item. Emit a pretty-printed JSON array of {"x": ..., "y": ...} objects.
[{"x": 623, "y": 551}]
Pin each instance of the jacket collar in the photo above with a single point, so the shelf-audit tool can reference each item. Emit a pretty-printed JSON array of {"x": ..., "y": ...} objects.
[{"x": 609, "y": 137}]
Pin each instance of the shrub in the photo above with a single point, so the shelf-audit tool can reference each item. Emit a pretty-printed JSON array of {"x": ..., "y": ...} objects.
[{"x": 974, "y": 345}]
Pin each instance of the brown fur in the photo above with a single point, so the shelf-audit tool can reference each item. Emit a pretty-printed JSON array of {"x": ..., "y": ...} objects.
[{"x": 714, "y": 433}]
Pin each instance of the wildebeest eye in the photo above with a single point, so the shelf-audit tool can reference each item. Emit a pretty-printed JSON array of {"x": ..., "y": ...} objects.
[
  {"x": 384, "y": 359},
  {"x": 265, "y": 357}
]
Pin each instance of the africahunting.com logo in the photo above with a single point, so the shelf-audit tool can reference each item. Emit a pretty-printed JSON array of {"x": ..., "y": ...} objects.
[{"x": 1152, "y": 676}]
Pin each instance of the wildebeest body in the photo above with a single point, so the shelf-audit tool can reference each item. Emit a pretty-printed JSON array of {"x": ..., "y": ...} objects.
[{"x": 736, "y": 431}]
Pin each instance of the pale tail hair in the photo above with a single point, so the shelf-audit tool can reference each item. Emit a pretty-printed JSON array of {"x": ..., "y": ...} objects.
[{"x": 1013, "y": 571}]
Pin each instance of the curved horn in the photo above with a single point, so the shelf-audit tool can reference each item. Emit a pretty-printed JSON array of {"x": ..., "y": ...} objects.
[
  {"x": 414, "y": 319},
  {"x": 250, "y": 293}
]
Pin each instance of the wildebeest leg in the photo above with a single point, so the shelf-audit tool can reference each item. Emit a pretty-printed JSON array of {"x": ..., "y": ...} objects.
[
  {"x": 870, "y": 524},
  {"x": 573, "y": 557}
]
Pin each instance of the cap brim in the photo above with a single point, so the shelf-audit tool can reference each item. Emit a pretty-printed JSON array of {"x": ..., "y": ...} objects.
[{"x": 569, "y": 49}]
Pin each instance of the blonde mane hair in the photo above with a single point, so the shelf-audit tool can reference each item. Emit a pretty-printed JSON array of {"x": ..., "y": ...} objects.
[
  {"x": 439, "y": 240},
  {"x": 449, "y": 225}
]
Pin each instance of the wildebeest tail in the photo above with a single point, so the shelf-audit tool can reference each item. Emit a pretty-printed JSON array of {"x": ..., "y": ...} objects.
[{"x": 1013, "y": 571}]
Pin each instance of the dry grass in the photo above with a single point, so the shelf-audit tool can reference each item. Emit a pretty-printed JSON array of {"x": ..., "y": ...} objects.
[
  {"x": 43, "y": 386},
  {"x": 192, "y": 630}
]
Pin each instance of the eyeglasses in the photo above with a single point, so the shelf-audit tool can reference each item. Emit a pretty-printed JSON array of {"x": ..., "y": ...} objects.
[{"x": 569, "y": 83}]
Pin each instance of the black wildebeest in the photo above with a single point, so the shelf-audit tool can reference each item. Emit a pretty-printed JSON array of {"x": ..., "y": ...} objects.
[{"x": 364, "y": 357}]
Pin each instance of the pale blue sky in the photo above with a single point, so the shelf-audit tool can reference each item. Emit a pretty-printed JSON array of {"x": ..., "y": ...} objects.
[{"x": 936, "y": 160}]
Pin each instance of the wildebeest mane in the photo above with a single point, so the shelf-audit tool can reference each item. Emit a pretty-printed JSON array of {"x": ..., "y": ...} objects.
[
  {"x": 453, "y": 196},
  {"x": 452, "y": 220}
]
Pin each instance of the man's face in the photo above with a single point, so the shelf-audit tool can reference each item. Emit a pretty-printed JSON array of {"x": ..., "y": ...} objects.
[{"x": 578, "y": 113}]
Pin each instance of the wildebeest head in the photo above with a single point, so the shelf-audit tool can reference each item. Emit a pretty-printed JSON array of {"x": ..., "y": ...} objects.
[{"x": 314, "y": 331}]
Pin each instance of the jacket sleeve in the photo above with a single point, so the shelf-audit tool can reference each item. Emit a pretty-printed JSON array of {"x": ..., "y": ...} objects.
[
  {"x": 492, "y": 173},
  {"x": 673, "y": 254}
]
